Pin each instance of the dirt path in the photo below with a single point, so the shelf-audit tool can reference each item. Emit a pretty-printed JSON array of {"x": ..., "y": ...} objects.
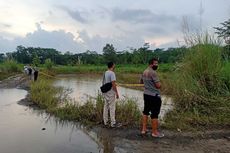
[{"x": 128, "y": 140}]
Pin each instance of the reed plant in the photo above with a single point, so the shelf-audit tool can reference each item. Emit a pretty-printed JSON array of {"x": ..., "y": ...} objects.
[
  {"x": 44, "y": 94},
  {"x": 201, "y": 87},
  {"x": 8, "y": 68}
]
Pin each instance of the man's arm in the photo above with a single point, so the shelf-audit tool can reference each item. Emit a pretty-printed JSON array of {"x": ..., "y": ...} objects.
[
  {"x": 156, "y": 80},
  {"x": 141, "y": 80},
  {"x": 114, "y": 86},
  {"x": 158, "y": 85}
]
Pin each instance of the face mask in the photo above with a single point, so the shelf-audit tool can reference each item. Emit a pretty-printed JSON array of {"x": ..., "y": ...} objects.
[{"x": 154, "y": 67}]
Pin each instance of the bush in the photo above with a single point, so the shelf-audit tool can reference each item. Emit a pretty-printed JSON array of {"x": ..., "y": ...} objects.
[
  {"x": 9, "y": 66},
  {"x": 48, "y": 64},
  {"x": 201, "y": 88}
]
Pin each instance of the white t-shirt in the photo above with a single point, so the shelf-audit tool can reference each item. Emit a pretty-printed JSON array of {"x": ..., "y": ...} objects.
[{"x": 109, "y": 76}]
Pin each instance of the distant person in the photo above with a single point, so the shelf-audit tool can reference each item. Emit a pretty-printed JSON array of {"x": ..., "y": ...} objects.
[
  {"x": 28, "y": 71},
  {"x": 152, "y": 98},
  {"x": 35, "y": 73},
  {"x": 31, "y": 72},
  {"x": 110, "y": 96}
]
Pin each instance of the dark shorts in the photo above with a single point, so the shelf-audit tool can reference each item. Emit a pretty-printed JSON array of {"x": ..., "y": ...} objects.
[{"x": 152, "y": 104}]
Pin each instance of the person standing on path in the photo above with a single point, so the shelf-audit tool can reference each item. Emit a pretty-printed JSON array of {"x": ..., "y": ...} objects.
[
  {"x": 152, "y": 98},
  {"x": 110, "y": 96}
]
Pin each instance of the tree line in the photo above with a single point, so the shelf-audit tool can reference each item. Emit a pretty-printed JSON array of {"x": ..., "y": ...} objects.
[{"x": 31, "y": 55}]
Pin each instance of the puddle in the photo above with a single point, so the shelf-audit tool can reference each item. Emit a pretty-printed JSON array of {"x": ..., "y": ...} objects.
[{"x": 24, "y": 130}]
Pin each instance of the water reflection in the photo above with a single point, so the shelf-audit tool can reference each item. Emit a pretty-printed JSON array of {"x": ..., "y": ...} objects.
[{"x": 21, "y": 127}]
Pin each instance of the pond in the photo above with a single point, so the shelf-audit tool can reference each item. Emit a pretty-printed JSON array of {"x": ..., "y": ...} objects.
[
  {"x": 26, "y": 130},
  {"x": 86, "y": 86}
]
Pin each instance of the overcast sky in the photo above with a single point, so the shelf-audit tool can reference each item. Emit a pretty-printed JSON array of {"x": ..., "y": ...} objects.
[{"x": 80, "y": 25}]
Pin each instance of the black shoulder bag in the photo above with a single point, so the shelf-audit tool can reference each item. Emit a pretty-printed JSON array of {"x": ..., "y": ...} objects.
[{"x": 105, "y": 86}]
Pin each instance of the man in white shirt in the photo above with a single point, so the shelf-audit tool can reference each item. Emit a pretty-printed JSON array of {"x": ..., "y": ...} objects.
[{"x": 110, "y": 96}]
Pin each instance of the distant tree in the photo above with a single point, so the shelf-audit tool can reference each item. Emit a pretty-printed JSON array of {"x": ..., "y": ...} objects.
[
  {"x": 109, "y": 53},
  {"x": 36, "y": 61},
  {"x": 90, "y": 57},
  {"x": 142, "y": 54},
  {"x": 1, "y": 57},
  {"x": 224, "y": 31},
  {"x": 124, "y": 57},
  {"x": 22, "y": 55}
]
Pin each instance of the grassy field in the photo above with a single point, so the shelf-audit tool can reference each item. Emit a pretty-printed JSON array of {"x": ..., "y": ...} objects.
[{"x": 139, "y": 68}]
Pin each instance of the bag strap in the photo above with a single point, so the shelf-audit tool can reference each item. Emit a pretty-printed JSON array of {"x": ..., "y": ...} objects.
[{"x": 103, "y": 82}]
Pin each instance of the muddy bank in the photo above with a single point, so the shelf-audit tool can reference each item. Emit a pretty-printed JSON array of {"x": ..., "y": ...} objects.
[
  {"x": 129, "y": 140},
  {"x": 18, "y": 81}
]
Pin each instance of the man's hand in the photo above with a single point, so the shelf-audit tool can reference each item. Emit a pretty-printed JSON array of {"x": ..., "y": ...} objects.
[
  {"x": 117, "y": 95},
  {"x": 158, "y": 85}
]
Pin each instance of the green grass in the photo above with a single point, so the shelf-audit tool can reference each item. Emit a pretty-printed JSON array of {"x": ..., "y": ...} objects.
[
  {"x": 9, "y": 68},
  {"x": 200, "y": 88},
  {"x": 134, "y": 69},
  {"x": 225, "y": 74},
  {"x": 44, "y": 95},
  {"x": 51, "y": 99}
]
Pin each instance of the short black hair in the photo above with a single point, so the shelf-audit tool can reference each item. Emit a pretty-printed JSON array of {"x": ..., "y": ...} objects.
[
  {"x": 152, "y": 59},
  {"x": 110, "y": 64}
]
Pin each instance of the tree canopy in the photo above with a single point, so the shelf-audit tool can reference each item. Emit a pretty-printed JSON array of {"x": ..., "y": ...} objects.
[{"x": 36, "y": 56}]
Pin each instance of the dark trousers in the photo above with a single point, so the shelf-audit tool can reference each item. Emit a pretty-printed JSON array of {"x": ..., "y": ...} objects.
[
  {"x": 35, "y": 75},
  {"x": 152, "y": 104}
]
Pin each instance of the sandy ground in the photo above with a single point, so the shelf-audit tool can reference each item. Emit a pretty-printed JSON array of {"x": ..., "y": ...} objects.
[{"x": 128, "y": 140}]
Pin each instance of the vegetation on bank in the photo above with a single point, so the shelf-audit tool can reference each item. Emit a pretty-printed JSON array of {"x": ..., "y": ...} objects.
[
  {"x": 56, "y": 102},
  {"x": 201, "y": 88},
  {"x": 9, "y": 68},
  {"x": 120, "y": 68}
]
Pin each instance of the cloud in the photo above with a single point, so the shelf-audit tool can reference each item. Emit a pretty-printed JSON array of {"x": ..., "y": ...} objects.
[
  {"x": 145, "y": 22},
  {"x": 60, "y": 40},
  {"x": 76, "y": 15},
  {"x": 97, "y": 42},
  {"x": 141, "y": 16},
  {"x": 4, "y": 25},
  {"x": 65, "y": 41},
  {"x": 6, "y": 45}
]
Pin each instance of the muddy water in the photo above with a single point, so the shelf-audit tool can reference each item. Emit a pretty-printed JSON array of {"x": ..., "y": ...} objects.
[
  {"x": 25, "y": 130},
  {"x": 85, "y": 86}
]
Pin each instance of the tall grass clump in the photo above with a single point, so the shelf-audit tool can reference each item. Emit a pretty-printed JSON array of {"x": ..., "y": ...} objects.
[
  {"x": 127, "y": 112},
  {"x": 201, "y": 88},
  {"x": 44, "y": 94},
  {"x": 91, "y": 112},
  {"x": 9, "y": 66}
]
